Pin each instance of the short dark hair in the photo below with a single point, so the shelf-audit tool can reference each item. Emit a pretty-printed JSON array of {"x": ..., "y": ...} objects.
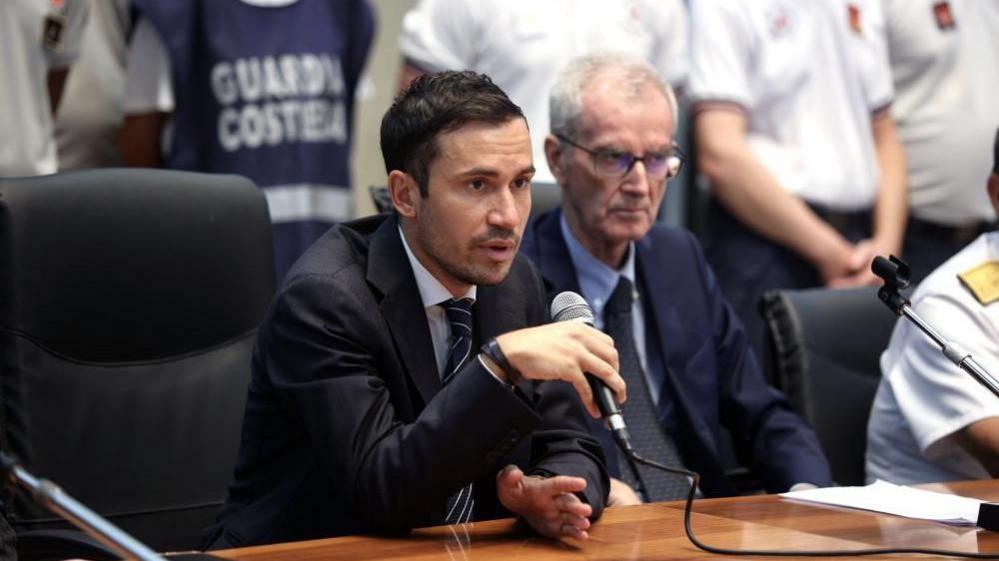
[{"x": 434, "y": 104}]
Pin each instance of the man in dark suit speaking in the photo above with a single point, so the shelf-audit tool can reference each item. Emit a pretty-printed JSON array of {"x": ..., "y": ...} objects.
[
  {"x": 683, "y": 353},
  {"x": 371, "y": 407}
]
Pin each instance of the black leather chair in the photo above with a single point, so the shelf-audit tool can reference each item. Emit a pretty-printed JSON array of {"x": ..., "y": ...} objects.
[
  {"x": 129, "y": 304},
  {"x": 822, "y": 350}
]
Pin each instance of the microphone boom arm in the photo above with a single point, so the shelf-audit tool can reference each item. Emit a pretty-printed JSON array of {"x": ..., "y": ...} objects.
[
  {"x": 895, "y": 273},
  {"x": 52, "y": 497}
]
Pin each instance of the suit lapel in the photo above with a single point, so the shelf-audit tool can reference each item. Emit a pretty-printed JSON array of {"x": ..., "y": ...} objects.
[
  {"x": 667, "y": 323},
  {"x": 389, "y": 271},
  {"x": 554, "y": 261},
  {"x": 498, "y": 309}
]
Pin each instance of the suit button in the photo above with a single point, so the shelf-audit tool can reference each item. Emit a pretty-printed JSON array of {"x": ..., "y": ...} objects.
[
  {"x": 491, "y": 457},
  {"x": 514, "y": 435}
]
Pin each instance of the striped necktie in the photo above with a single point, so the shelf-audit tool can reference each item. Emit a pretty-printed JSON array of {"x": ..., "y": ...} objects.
[
  {"x": 649, "y": 437},
  {"x": 459, "y": 314}
]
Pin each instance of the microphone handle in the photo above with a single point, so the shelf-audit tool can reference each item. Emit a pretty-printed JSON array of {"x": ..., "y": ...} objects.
[
  {"x": 611, "y": 412},
  {"x": 603, "y": 396}
]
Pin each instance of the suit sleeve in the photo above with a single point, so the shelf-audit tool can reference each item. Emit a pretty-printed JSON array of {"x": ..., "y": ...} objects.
[
  {"x": 563, "y": 445},
  {"x": 326, "y": 354},
  {"x": 782, "y": 447}
]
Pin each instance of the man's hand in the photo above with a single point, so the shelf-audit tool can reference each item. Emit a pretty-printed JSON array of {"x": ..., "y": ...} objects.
[
  {"x": 621, "y": 494},
  {"x": 565, "y": 351},
  {"x": 860, "y": 264},
  {"x": 547, "y": 505}
]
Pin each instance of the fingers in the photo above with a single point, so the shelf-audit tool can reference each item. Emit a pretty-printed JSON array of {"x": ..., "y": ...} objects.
[
  {"x": 561, "y": 484},
  {"x": 509, "y": 476},
  {"x": 570, "y": 531},
  {"x": 570, "y": 505},
  {"x": 608, "y": 374},
  {"x": 582, "y": 387},
  {"x": 548, "y": 505},
  {"x": 571, "y": 517}
]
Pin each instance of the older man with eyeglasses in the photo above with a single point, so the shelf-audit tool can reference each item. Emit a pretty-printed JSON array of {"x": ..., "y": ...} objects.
[{"x": 683, "y": 353}]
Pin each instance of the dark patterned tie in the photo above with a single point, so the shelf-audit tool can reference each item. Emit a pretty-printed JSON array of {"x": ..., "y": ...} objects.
[
  {"x": 648, "y": 436},
  {"x": 459, "y": 314}
]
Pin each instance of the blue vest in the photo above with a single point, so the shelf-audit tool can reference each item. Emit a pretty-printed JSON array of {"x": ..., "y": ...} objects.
[{"x": 268, "y": 92}]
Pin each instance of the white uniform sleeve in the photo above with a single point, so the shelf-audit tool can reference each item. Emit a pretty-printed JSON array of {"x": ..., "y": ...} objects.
[
  {"x": 877, "y": 76},
  {"x": 721, "y": 45},
  {"x": 936, "y": 397},
  {"x": 75, "y": 12},
  {"x": 441, "y": 34},
  {"x": 668, "y": 22},
  {"x": 148, "y": 83}
]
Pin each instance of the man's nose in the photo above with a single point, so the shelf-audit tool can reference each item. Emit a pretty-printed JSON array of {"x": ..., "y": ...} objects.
[
  {"x": 505, "y": 212},
  {"x": 637, "y": 181}
]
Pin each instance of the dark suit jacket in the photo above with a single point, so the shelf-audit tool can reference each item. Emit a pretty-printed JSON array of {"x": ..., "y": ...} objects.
[
  {"x": 711, "y": 373},
  {"x": 347, "y": 428}
]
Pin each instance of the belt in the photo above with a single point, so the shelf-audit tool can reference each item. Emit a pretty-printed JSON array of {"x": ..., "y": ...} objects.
[
  {"x": 961, "y": 234},
  {"x": 843, "y": 220}
]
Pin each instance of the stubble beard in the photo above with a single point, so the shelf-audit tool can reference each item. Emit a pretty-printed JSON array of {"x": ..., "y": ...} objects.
[{"x": 466, "y": 272}]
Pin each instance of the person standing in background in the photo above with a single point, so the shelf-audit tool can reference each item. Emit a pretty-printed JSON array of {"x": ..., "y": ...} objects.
[
  {"x": 944, "y": 57},
  {"x": 522, "y": 45},
  {"x": 90, "y": 115},
  {"x": 39, "y": 40},
  {"x": 262, "y": 88},
  {"x": 794, "y": 134}
]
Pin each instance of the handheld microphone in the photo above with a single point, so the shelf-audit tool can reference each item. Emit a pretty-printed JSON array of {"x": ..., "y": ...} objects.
[{"x": 569, "y": 306}]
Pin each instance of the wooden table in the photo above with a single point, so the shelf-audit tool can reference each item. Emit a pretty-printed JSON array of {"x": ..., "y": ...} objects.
[{"x": 655, "y": 531}]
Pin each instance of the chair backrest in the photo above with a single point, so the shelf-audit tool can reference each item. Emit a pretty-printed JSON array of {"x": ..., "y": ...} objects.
[
  {"x": 823, "y": 350},
  {"x": 129, "y": 304}
]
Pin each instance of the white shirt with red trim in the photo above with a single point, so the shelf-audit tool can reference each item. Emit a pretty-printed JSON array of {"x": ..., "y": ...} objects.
[
  {"x": 809, "y": 74},
  {"x": 523, "y": 44},
  {"x": 944, "y": 56}
]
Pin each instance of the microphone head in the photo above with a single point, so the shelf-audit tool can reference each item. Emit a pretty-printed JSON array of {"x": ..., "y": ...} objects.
[
  {"x": 893, "y": 270},
  {"x": 569, "y": 306}
]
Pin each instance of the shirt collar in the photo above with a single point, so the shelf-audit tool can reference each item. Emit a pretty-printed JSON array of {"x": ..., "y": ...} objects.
[
  {"x": 596, "y": 279},
  {"x": 432, "y": 292}
]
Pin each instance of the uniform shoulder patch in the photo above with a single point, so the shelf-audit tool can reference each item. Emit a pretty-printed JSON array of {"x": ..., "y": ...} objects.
[{"x": 983, "y": 281}]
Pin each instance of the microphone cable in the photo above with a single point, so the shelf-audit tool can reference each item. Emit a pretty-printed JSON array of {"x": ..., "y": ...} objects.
[{"x": 695, "y": 479}]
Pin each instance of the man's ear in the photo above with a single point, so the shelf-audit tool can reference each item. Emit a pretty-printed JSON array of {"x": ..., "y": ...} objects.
[
  {"x": 554, "y": 153},
  {"x": 405, "y": 193}
]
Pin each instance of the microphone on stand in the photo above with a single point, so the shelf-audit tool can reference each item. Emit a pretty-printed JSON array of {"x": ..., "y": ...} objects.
[
  {"x": 895, "y": 273},
  {"x": 569, "y": 306}
]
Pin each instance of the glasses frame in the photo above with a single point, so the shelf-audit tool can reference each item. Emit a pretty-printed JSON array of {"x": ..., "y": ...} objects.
[{"x": 594, "y": 154}]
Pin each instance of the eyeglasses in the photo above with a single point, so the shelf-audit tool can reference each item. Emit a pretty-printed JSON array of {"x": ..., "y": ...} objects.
[{"x": 611, "y": 163}]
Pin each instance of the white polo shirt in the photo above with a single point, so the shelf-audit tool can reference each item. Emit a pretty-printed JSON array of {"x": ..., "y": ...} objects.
[
  {"x": 923, "y": 399},
  {"x": 523, "y": 44},
  {"x": 945, "y": 61},
  {"x": 809, "y": 80}
]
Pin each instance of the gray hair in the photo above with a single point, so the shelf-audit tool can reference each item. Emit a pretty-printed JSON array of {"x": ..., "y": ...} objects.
[{"x": 566, "y": 99}]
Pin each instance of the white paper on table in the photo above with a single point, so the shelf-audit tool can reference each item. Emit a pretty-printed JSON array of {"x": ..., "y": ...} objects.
[{"x": 899, "y": 500}]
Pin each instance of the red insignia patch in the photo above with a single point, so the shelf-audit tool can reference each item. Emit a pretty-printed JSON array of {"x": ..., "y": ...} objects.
[
  {"x": 854, "y": 13},
  {"x": 944, "y": 16}
]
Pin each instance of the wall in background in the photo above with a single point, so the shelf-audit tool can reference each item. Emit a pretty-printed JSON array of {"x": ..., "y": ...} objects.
[{"x": 384, "y": 64}]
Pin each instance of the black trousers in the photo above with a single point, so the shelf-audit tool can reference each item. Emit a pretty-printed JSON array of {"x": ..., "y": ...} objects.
[
  {"x": 928, "y": 245},
  {"x": 748, "y": 265}
]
